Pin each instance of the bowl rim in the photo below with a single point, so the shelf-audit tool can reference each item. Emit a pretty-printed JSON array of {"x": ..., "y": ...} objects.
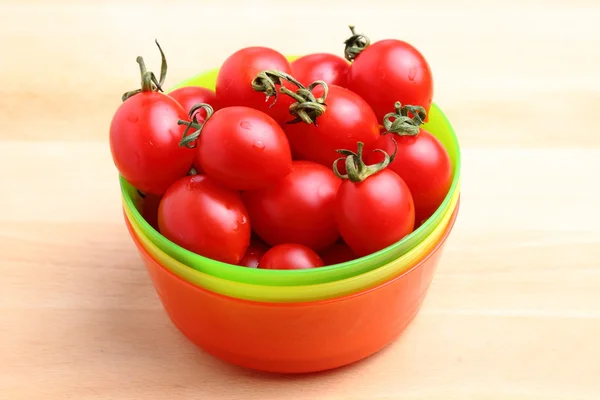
[
  {"x": 349, "y": 296},
  {"x": 291, "y": 274},
  {"x": 299, "y": 291}
]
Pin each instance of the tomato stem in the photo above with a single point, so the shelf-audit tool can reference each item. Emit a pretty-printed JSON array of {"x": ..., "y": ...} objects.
[
  {"x": 149, "y": 81},
  {"x": 190, "y": 140},
  {"x": 268, "y": 80},
  {"x": 355, "y": 44},
  {"x": 307, "y": 107},
  {"x": 356, "y": 169},
  {"x": 405, "y": 121}
]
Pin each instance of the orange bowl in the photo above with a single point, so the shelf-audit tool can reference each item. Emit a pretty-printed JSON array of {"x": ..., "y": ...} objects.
[{"x": 294, "y": 337}]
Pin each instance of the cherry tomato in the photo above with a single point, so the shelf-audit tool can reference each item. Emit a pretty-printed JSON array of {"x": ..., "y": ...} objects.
[
  {"x": 234, "y": 81},
  {"x": 205, "y": 218},
  {"x": 346, "y": 120},
  {"x": 290, "y": 256},
  {"x": 144, "y": 136},
  {"x": 421, "y": 161},
  {"x": 189, "y": 96},
  {"x": 298, "y": 209},
  {"x": 337, "y": 253},
  {"x": 242, "y": 148},
  {"x": 254, "y": 253},
  {"x": 388, "y": 71},
  {"x": 329, "y": 68},
  {"x": 374, "y": 207}
]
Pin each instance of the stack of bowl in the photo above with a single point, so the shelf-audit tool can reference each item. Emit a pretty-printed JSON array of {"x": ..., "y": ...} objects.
[{"x": 293, "y": 321}]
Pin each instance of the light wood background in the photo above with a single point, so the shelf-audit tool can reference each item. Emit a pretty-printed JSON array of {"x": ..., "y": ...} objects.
[{"x": 514, "y": 311}]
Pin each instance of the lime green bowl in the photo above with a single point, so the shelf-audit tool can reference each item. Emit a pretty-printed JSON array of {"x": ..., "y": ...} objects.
[
  {"x": 438, "y": 125},
  {"x": 424, "y": 251}
]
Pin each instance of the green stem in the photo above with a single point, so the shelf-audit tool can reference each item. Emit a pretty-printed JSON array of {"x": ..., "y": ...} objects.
[
  {"x": 149, "y": 81},
  {"x": 307, "y": 107},
  {"x": 190, "y": 140},
  {"x": 356, "y": 169},
  {"x": 405, "y": 121},
  {"x": 268, "y": 80},
  {"x": 355, "y": 44}
]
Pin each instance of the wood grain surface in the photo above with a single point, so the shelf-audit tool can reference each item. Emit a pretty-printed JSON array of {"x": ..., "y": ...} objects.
[{"x": 514, "y": 310}]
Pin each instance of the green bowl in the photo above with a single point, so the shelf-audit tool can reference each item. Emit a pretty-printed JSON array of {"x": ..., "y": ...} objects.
[{"x": 438, "y": 125}]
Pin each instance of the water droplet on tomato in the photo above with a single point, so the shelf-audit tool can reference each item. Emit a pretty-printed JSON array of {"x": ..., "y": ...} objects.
[
  {"x": 258, "y": 145},
  {"x": 245, "y": 125},
  {"x": 244, "y": 220},
  {"x": 132, "y": 118},
  {"x": 412, "y": 73}
]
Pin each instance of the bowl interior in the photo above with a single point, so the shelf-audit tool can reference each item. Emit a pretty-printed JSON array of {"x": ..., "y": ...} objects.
[
  {"x": 438, "y": 125},
  {"x": 295, "y": 293}
]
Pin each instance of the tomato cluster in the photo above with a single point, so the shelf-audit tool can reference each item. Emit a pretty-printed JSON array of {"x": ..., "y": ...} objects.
[{"x": 287, "y": 165}]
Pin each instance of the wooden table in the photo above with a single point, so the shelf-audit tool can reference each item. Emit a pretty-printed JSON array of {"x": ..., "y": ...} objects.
[{"x": 514, "y": 310}]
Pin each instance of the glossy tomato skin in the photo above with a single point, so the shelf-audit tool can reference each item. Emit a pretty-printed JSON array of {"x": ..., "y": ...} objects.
[
  {"x": 298, "y": 209},
  {"x": 243, "y": 148},
  {"x": 205, "y": 218},
  {"x": 388, "y": 71},
  {"x": 189, "y": 96},
  {"x": 144, "y": 142},
  {"x": 234, "y": 81},
  {"x": 375, "y": 213},
  {"x": 321, "y": 67},
  {"x": 337, "y": 253},
  {"x": 347, "y": 119},
  {"x": 254, "y": 254},
  {"x": 290, "y": 256},
  {"x": 424, "y": 164}
]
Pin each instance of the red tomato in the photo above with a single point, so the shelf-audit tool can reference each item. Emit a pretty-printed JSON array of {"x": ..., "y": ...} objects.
[
  {"x": 388, "y": 71},
  {"x": 297, "y": 209},
  {"x": 144, "y": 136},
  {"x": 346, "y": 120},
  {"x": 254, "y": 254},
  {"x": 421, "y": 160},
  {"x": 235, "y": 77},
  {"x": 290, "y": 256},
  {"x": 374, "y": 207},
  {"x": 205, "y": 218},
  {"x": 337, "y": 253},
  {"x": 190, "y": 96},
  {"x": 242, "y": 148},
  {"x": 329, "y": 68}
]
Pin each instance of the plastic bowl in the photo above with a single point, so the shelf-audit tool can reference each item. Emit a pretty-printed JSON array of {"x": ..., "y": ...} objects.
[
  {"x": 296, "y": 337},
  {"x": 300, "y": 293},
  {"x": 438, "y": 125}
]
